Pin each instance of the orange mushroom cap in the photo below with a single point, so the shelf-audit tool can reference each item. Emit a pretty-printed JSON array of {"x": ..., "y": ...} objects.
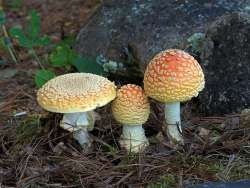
[
  {"x": 173, "y": 75},
  {"x": 131, "y": 106},
  {"x": 76, "y": 92}
]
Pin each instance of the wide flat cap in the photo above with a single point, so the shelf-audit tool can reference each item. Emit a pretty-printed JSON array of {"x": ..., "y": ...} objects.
[
  {"x": 76, "y": 92},
  {"x": 131, "y": 106},
  {"x": 173, "y": 75}
]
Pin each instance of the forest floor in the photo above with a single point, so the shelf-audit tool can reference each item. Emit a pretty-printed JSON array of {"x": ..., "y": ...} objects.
[{"x": 35, "y": 152}]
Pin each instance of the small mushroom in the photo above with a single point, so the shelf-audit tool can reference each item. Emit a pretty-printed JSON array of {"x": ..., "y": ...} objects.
[
  {"x": 76, "y": 95},
  {"x": 173, "y": 76},
  {"x": 131, "y": 108}
]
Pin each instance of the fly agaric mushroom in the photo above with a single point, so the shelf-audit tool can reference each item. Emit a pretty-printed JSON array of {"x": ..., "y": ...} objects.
[
  {"x": 76, "y": 95},
  {"x": 131, "y": 108},
  {"x": 173, "y": 76}
]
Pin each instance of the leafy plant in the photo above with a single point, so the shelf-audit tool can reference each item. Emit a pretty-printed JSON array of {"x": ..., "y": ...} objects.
[
  {"x": 42, "y": 76},
  {"x": 62, "y": 56},
  {"x": 14, "y": 4},
  {"x": 88, "y": 65},
  {"x": 30, "y": 38}
]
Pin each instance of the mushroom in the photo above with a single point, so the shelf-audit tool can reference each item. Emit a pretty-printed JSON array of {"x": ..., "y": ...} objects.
[
  {"x": 131, "y": 108},
  {"x": 76, "y": 95},
  {"x": 171, "y": 77}
]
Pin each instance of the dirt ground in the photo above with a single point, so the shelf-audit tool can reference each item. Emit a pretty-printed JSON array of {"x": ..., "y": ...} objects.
[{"x": 35, "y": 152}]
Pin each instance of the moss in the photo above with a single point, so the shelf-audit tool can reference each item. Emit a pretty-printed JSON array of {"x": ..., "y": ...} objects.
[
  {"x": 28, "y": 129},
  {"x": 166, "y": 181}
]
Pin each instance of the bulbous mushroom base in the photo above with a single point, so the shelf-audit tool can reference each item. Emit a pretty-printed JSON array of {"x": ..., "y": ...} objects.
[
  {"x": 173, "y": 121},
  {"x": 83, "y": 138},
  {"x": 173, "y": 132},
  {"x": 133, "y": 138},
  {"x": 79, "y": 124}
]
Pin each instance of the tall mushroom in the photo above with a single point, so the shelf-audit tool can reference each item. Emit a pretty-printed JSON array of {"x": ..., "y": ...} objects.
[
  {"x": 173, "y": 76},
  {"x": 76, "y": 95},
  {"x": 131, "y": 108}
]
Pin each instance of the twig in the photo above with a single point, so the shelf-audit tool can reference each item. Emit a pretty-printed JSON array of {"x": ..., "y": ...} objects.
[
  {"x": 33, "y": 52},
  {"x": 8, "y": 43},
  {"x": 124, "y": 178}
]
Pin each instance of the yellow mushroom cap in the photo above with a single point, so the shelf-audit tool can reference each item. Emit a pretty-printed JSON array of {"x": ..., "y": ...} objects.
[
  {"x": 76, "y": 92},
  {"x": 131, "y": 106},
  {"x": 173, "y": 75}
]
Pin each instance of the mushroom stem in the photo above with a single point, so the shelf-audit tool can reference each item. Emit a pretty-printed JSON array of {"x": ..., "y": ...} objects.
[
  {"x": 173, "y": 120},
  {"x": 133, "y": 138},
  {"x": 82, "y": 137},
  {"x": 78, "y": 123}
]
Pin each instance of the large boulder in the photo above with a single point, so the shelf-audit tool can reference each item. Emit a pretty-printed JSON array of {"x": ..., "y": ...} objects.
[
  {"x": 147, "y": 26},
  {"x": 225, "y": 57}
]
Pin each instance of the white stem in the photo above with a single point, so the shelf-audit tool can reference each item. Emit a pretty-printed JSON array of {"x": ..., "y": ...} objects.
[
  {"x": 77, "y": 123},
  {"x": 133, "y": 138},
  {"x": 173, "y": 120}
]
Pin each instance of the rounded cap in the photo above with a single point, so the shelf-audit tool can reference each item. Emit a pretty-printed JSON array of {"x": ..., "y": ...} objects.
[
  {"x": 131, "y": 106},
  {"x": 76, "y": 92},
  {"x": 173, "y": 75}
]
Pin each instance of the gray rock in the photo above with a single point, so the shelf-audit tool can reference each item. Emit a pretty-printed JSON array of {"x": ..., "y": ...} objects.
[
  {"x": 142, "y": 28},
  {"x": 225, "y": 58},
  {"x": 147, "y": 26}
]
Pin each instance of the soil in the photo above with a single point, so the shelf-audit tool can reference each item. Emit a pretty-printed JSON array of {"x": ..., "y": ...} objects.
[{"x": 35, "y": 152}]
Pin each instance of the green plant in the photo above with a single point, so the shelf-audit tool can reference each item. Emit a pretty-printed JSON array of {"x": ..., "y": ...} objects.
[
  {"x": 89, "y": 65},
  {"x": 216, "y": 168},
  {"x": 29, "y": 129},
  {"x": 62, "y": 55},
  {"x": 42, "y": 76},
  {"x": 166, "y": 181},
  {"x": 30, "y": 38},
  {"x": 14, "y": 4}
]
